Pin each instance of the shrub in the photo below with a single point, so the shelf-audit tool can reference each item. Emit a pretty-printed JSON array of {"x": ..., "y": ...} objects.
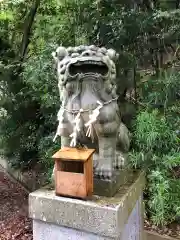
[{"x": 156, "y": 149}]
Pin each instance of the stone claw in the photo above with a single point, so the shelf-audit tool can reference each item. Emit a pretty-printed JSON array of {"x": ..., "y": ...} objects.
[{"x": 103, "y": 173}]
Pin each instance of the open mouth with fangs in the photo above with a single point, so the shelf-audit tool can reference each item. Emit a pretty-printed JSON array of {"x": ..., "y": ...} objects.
[{"x": 88, "y": 67}]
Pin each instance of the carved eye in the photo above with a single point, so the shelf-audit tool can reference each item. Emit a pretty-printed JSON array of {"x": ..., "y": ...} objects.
[
  {"x": 87, "y": 53},
  {"x": 94, "y": 53}
]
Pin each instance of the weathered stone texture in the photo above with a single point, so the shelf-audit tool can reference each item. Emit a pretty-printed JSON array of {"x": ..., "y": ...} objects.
[{"x": 98, "y": 218}]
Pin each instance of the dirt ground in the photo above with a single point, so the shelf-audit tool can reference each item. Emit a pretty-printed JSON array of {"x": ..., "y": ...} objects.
[
  {"x": 172, "y": 230},
  {"x": 14, "y": 221}
]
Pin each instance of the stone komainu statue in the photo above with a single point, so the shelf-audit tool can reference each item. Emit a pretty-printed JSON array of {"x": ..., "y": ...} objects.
[{"x": 89, "y": 113}]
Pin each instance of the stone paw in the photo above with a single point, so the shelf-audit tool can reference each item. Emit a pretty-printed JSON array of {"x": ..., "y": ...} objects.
[
  {"x": 117, "y": 166},
  {"x": 119, "y": 162},
  {"x": 103, "y": 173}
]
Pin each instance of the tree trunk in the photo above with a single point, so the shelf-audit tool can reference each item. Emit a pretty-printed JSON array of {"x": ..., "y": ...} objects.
[{"x": 27, "y": 29}]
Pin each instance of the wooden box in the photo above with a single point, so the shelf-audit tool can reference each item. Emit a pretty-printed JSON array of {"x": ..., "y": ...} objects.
[{"x": 74, "y": 172}]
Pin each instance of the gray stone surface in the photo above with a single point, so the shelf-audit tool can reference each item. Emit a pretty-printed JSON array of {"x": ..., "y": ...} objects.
[
  {"x": 89, "y": 113},
  {"x": 102, "y": 216},
  {"x": 133, "y": 227},
  {"x": 46, "y": 231},
  {"x": 108, "y": 187},
  {"x": 132, "y": 230}
]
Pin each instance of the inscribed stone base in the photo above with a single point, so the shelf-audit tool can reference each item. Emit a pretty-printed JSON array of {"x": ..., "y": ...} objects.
[
  {"x": 108, "y": 188},
  {"x": 101, "y": 218}
]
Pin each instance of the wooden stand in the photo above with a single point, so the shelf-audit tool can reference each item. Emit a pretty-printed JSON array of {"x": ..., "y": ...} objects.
[{"x": 74, "y": 172}]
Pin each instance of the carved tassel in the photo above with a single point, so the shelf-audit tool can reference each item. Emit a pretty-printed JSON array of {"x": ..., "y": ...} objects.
[
  {"x": 76, "y": 129},
  {"x": 60, "y": 119},
  {"x": 92, "y": 119}
]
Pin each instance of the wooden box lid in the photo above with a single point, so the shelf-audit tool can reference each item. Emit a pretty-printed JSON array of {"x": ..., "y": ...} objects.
[{"x": 69, "y": 154}]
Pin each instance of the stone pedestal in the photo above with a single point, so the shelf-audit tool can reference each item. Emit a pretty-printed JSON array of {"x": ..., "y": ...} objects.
[
  {"x": 100, "y": 218},
  {"x": 108, "y": 187}
]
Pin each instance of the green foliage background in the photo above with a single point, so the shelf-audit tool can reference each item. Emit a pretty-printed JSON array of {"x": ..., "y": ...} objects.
[{"x": 143, "y": 32}]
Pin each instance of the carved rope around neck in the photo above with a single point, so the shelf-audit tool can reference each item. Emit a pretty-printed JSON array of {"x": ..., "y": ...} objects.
[
  {"x": 89, "y": 110},
  {"x": 89, "y": 125}
]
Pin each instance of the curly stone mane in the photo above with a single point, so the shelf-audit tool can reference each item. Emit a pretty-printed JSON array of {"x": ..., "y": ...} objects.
[{"x": 74, "y": 63}]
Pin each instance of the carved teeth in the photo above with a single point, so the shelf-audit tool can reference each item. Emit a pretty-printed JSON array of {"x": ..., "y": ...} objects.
[
  {"x": 82, "y": 56},
  {"x": 89, "y": 62}
]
